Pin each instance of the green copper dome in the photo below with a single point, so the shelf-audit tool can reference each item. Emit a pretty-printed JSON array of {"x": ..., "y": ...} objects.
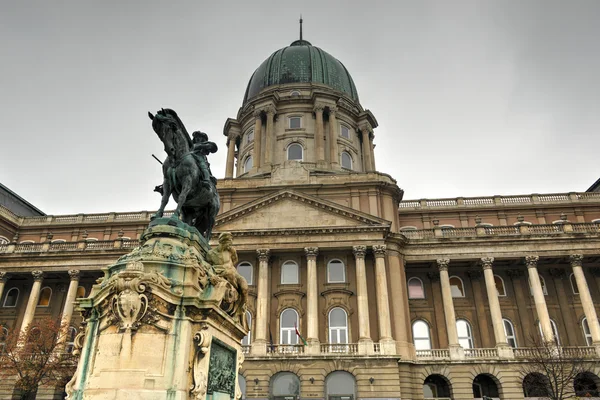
[{"x": 301, "y": 62}]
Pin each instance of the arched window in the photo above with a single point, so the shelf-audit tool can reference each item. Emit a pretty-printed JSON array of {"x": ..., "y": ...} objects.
[
  {"x": 484, "y": 387},
  {"x": 70, "y": 342},
  {"x": 415, "y": 288},
  {"x": 11, "y": 298},
  {"x": 3, "y": 240},
  {"x": 336, "y": 271},
  {"x": 536, "y": 385},
  {"x": 421, "y": 337},
  {"x": 289, "y": 273},
  {"x": 436, "y": 386},
  {"x": 245, "y": 269},
  {"x": 45, "y": 296},
  {"x": 344, "y": 131},
  {"x": 586, "y": 332},
  {"x": 295, "y": 122},
  {"x": 248, "y": 338},
  {"x": 542, "y": 283},
  {"x": 338, "y": 326},
  {"x": 295, "y": 93},
  {"x": 80, "y": 292},
  {"x": 58, "y": 241},
  {"x": 585, "y": 385},
  {"x": 295, "y": 152},
  {"x": 248, "y": 164},
  {"x": 456, "y": 287},
  {"x": 465, "y": 334},
  {"x": 288, "y": 321},
  {"x": 554, "y": 331},
  {"x": 573, "y": 284},
  {"x": 509, "y": 331},
  {"x": 250, "y": 136},
  {"x": 340, "y": 385},
  {"x": 242, "y": 383},
  {"x": 500, "y": 288},
  {"x": 285, "y": 386},
  {"x": 346, "y": 160}
]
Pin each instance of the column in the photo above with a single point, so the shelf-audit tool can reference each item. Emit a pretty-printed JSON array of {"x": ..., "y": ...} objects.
[
  {"x": 256, "y": 154},
  {"x": 399, "y": 305},
  {"x": 383, "y": 303},
  {"x": 538, "y": 298},
  {"x": 364, "y": 329},
  {"x": 319, "y": 140},
  {"x": 453, "y": 345},
  {"x": 365, "y": 149},
  {"x": 259, "y": 346},
  {"x": 3, "y": 279},
  {"x": 372, "y": 151},
  {"x": 269, "y": 135},
  {"x": 34, "y": 297},
  {"x": 312, "y": 298},
  {"x": 495, "y": 311},
  {"x": 333, "y": 136},
  {"x": 230, "y": 155},
  {"x": 67, "y": 313},
  {"x": 586, "y": 298}
]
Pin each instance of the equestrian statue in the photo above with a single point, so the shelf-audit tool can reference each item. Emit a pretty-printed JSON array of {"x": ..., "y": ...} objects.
[{"x": 186, "y": 173}]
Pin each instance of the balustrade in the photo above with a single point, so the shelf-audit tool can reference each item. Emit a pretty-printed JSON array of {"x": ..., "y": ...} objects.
[
  {"x": 337, "y": 348},
  {"x": 433, "y": 354},
  {"x": 285, "y": 349},
  {"x": 481, "y": 353}
]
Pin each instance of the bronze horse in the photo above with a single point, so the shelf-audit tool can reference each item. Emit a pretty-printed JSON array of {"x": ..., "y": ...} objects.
[{"x": 197, "y": 198}]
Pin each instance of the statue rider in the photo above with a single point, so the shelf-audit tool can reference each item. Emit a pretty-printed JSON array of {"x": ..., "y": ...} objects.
[{"x": 201, "y": 148}]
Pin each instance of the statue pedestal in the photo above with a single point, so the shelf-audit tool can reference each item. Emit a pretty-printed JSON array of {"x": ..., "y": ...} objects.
[{"x": 161, "y": 324}]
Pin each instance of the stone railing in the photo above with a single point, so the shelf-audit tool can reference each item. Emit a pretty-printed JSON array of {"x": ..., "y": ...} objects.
[
  {"x": 90, "y": 245},
  {"x": 521, "y": 353},
  {"x": 486, "y": 354},
  {"x": 494, "y": 201},
  {"x": 285, "y": 349},
  {"x": 246, "y": 349},
  {"x": 433, "y": 354},
  {"x": 333, "y": 348},
  {"x": 515, "y": 230}
]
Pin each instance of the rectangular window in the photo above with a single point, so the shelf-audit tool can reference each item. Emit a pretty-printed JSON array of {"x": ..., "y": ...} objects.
[
  {"x": 295, "y": 122},
  {"x": 344, "y": 132}
]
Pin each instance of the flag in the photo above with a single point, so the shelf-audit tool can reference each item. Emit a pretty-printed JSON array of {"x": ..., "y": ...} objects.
[
  {"x": 271, "y": 345},
  {"x": 300, "y": 336}
]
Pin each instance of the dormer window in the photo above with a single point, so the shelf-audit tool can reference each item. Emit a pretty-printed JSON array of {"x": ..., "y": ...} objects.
[
  {"x": 295, "y": 122},
  {"x": 344, "y": 131}
]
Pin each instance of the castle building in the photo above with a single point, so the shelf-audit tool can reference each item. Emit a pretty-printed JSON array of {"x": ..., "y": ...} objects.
[{"x": 355, "y": 293}]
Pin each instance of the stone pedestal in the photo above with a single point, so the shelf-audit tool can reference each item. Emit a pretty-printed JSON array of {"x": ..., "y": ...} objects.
[{"x": 162, "y": 324}]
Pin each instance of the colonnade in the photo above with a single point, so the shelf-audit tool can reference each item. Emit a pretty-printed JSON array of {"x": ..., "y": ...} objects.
[{"x": 537, "y": 292}]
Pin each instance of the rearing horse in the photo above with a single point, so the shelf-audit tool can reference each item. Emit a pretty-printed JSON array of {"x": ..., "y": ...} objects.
[{"x": 197, "y": 200}]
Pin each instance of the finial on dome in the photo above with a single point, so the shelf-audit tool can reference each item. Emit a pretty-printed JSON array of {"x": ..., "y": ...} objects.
[{"x": 300, "y": 27}]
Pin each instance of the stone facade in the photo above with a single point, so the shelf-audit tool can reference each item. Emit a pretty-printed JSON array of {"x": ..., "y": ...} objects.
[{"x": 374, "y": 284}]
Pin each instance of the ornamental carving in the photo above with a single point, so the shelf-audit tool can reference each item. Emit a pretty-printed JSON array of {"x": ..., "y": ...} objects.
[
  {"x": 486, "y": 262},
  {"x": 74, "y": 274},
  {"x": 37, "y": 275},
  {"x": 531, "y": 261},
  {"x": 576, "y": 260},
  {"x": 443, "y": 264},
  {"x": 359, "y": 251},
  {"x": 263, "y": 255},
  {"x": 311, "y": 252},
  {"x": 202, "y": 342},
  {"x": 318, "y": 107},
  {"x": 379, "y": 250},
  {"x": 222, "y": 371}
]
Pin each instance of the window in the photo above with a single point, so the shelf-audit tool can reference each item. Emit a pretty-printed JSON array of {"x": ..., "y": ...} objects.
[
  {"x": 295, "y": 122},
  {"x": 509, "y": 331},
  {"x": 421, "y": 336},
  {"x": 295, "y": 93},
  {"x": 70, "y": 342},
  {"x": 542, "y": 282},
  {"x": 289, "y": 273},
  {"x": 500, "y": 286},
  {"x": 45, "y": 296},
  {"x": 295, "y": 152},
  {"x": 338, "y": 326},
  {"x": 573, "y": 284},
  {"x": 336, "y": 271},
  {"x": 248, "y": 164},
  {"x": 415, "y": 288},
  {"x": 456, "y": 287},
  {"x": 344, "y": 131},
  {"x": 536, "y": 385},
  {"x": 12, "y": 296},
  {"x": 285, "y": 386},
  {"x": 80, "y": 292},
  {"x": 58, "y": 241},
  {"x": 247, "y": 339},
  {"x": 554, "y": 331},
  {"x": 586, "y": 332},
  {"x": 3, "y": 240},
  {"x": 250, "y": 136},
  {"x": 245, "y": 270},
  {"x": 465, "y": 334},
  {"x": 288, "y": 321},
  {"x": 346, "y": 160}
]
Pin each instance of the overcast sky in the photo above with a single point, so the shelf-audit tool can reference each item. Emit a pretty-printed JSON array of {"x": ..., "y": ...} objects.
[{"x": 472, "y": 97}]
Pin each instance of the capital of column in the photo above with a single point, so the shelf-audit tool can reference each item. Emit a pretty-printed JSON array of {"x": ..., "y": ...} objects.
[
  {"x": 359, "y": 251},
  {"x": 332, "y": 110},
  {"x": 232, "y": 136},
  {"x": 263, "y": 254},
  {"x": 74, "y": 274},
  {"x": 37, "y": 275},
  {"x": 311, "y": 252},
  {"x": 3, "y": 276},
  {"x": 318, "y": 107},
  {"x": 443, "y": 264},
  {"x": 531, "y": 261},
  {"x": 257, "y": 113},
  {"x": 270, "y": 110},
  {"x": 576, "y": 260},
  {"x": 379, "y": 250},
  {"x": 486, "y": 262}
]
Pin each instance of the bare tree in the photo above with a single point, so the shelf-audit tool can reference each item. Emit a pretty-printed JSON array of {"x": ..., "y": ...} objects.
[
  {"x": 36, "y": 357},
  {"x": 557, "y": 373}
]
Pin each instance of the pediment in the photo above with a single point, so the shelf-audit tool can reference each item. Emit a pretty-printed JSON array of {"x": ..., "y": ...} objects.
[{"x": 291, "y": 210}]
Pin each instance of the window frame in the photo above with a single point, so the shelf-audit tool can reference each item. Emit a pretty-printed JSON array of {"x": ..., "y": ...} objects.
[
  {"x": 542, "y": 283},
  {"x": 287, "y": 152},
  {"x": 462, "y": 283},
  {"x": 246, "y": 264},
  {"x": 290, "y": 332},
  {"x": 586, "y": 335},
  {"x": 554, "y": 328},
  {"x": 503, "y": 286},
  {"x": 4, "y": 240},
  {"x": 295, "y": 93},
  {"x": 250, "y": 159},
  {"x": 16, "y": 299},
  {"x": 292, "y": 117},
  {"x": 49, "y": 297},
  {"x": 573, "y": 281},
  {"x": 337, "y": 329},
  {"x": 70, "y": 344},
  {"x": 249, "y": 136},
  {"x": 77, "y": 293},
  {"x": 329, "y": 280},
  {"x": 510, "y": 337},
  {"x": 342, "y": 126},
  {"x": 421, "y": 285},
  {"x": 297, "y": 282},
  {"x": 469, "y": 338},
  {"x": 421, "y": 338},
  {"x": 351, "y": 168},
  {"x": 248, "y": 337}
]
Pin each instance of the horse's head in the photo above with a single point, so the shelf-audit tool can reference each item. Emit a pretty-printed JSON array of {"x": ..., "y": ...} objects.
[{"x": 170, "y": 131}]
